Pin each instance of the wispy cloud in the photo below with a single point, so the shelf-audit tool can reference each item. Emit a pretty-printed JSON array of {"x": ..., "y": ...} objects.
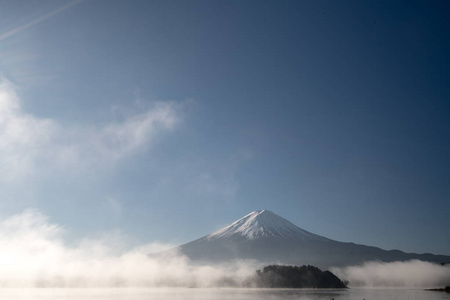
[
  {"x": 37, "y": 20},
  {"x": 29, "y": 143}
]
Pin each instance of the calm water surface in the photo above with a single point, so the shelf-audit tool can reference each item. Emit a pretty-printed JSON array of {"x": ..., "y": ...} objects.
[{"x": 217, "y": 294}]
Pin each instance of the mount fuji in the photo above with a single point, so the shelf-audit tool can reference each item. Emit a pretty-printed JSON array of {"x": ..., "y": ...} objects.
[{"x": 268, "y": 238}]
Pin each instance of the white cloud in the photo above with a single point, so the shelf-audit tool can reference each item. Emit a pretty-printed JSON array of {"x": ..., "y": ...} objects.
[
  {"x": 32, "y": 254},
  {"x": 31, "y": 145},
  {"x": 412, "y": 273}
]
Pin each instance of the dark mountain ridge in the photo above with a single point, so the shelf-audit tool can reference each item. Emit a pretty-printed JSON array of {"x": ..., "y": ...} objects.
[{"x": 270, "y": 239}]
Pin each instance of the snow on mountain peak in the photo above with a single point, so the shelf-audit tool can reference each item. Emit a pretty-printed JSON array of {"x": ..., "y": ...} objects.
[{"x": 263, "y": 223}]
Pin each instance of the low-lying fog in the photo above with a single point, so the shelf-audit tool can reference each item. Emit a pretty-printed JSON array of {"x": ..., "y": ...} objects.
[{"x": 33, "y": 254}]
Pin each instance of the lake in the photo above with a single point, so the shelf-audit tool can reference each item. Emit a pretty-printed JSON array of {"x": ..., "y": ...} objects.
[{"x": 216, "y": 294}]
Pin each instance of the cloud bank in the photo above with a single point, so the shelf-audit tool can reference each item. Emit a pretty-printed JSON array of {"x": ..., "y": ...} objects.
[
  {"x": 414, "y": 273},
  {"x": 32, "y": 254},
  {"x": 29, "y": 143}
]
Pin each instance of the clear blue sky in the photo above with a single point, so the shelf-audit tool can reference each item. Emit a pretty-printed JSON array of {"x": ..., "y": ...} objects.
[{"x": 166, "y": 120}]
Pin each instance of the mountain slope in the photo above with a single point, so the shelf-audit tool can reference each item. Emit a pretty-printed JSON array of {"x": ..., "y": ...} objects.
[{"x": 268, "y": 238}]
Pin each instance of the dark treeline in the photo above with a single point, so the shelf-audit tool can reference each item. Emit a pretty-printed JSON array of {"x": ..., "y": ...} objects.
[
  {"x": 446, "y": 289},
  {"x": 277, "y": 276}
]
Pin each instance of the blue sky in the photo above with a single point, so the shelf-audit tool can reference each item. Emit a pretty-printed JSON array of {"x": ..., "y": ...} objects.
[{"x": 165, "y": 120}]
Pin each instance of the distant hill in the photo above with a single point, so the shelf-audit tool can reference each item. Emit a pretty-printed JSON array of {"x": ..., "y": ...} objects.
[
  {"x": 270, "y": 239},
  {"x": 277, "y": 276}
]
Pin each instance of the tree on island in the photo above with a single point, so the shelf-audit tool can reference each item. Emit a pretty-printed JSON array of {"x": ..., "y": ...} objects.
[{"x": 278, "y": 276}]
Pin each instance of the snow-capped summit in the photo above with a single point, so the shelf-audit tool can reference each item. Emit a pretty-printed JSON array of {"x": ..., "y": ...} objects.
[{"x": 263, "y": 223}]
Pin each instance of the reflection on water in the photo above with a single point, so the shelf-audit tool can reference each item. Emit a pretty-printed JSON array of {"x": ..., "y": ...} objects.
[{"x": 217, "y": 294}]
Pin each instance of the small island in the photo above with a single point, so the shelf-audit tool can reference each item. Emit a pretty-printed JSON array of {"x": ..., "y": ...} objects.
[
  {"x": 279, "y": 276},
  {"x": 446, "y": 289}
]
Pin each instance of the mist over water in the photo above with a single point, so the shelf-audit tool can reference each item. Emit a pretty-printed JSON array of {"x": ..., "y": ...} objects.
[
  {"x": 413, "y": 273},
  {"x": 33, "y": 254}
]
